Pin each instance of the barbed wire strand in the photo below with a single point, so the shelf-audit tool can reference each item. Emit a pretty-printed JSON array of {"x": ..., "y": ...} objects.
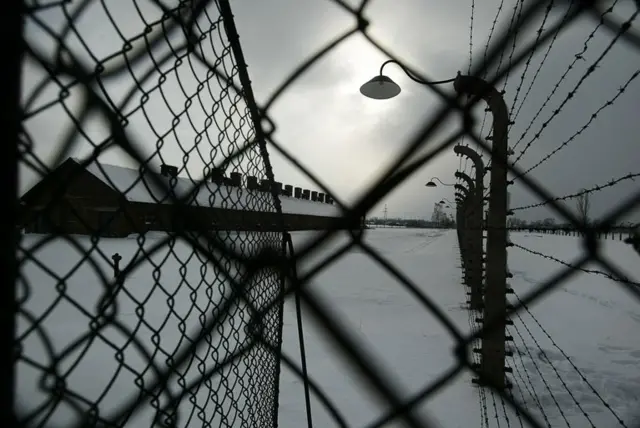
[
  {"x": 592, "y": 118},
  {"x": 572, "y": 93},
  {"x": 593, "y": 189},
  {"x": 578, "y": 371},
  {"x": 577, "y": 268},
  {"x": 577, "y": 57},
  {"x": 515, "y": 17},
  {"x": 527, "y": 63},
  {"x": 542, "y": 353},
  {"x": 528, "y": 383},
  {"x": 541, "y": 377}
]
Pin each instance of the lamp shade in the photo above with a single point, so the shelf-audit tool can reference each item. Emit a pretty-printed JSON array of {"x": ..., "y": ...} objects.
[
  {"x": 380, "y": 88},
  {"x": 430, "y": 184}
]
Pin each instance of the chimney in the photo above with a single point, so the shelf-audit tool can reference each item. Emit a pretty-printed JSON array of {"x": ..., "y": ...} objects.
[
  {"x": 305, "y": 194},
  {"x": 320, "y": 197},
  {"x": 168, "y": 170},
  {"x": 277, "y": 187},
  {"x": 264, "y": 185},
  {"x": 252, "y": 183},
  {"x": 235, "y": 179},
  {"x": 314, "y": 196},
  {"x": 297, "y": 193},
  {"x": 288, "y": 190},
  {"x": 217, "y": 175}
]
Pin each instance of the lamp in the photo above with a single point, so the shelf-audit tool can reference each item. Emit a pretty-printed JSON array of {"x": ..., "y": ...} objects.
[
  {"x": 381, "y": 87},
  {"x": 432, "y": 182}
]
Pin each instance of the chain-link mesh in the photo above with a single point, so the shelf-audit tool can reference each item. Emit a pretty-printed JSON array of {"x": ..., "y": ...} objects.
[
  {"x": 172, "y": 337},
  {"x": 217, "y": 361}
]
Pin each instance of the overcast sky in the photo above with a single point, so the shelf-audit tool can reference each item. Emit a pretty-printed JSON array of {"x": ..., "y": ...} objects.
[{"x": 347, "y": 139}]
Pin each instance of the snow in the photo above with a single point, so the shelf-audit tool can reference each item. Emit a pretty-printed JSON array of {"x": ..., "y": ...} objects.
[
  {"x": 592, "y": 320},
  {"x": 139, "y": 187}
]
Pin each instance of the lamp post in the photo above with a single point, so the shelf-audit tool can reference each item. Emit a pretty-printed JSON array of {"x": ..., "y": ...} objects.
[
  {"x": 381, "y": 87},
  {"x": 493, "y": 339}
]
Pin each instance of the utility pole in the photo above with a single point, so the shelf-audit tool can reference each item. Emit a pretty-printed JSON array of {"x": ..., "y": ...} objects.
[{"x": 385, "y": 215}]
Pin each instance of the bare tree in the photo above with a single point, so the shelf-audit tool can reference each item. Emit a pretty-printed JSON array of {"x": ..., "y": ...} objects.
[
  {"x": 437, "y": 214},
  {"x": 583, "y": 205},
  {"x": 515, "y": 222}
]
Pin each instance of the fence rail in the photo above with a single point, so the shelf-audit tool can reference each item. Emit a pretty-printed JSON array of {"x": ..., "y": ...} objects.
[{"x": 187, "y": 330}]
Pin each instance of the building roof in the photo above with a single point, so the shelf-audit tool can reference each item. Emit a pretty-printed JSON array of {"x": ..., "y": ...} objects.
[{"x": 139, "y": 186}]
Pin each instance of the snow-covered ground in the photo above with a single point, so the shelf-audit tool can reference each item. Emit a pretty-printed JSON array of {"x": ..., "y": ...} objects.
[{"x": 589, "y": 319}]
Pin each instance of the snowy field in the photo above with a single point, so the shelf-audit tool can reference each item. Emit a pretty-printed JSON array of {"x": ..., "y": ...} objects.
[{"x": 589, "y": 319}]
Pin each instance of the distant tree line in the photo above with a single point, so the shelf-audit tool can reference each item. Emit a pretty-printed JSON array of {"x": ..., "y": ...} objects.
[{"x": 444, "y": 223}]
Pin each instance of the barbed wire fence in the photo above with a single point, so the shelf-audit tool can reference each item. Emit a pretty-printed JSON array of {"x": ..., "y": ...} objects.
[{"x": 217, "y": 360}]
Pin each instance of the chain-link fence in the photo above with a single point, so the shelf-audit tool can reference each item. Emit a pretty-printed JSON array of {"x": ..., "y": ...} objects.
[
  {"x": 174, "y": 326},
  {"x": 196, "y": 341}
]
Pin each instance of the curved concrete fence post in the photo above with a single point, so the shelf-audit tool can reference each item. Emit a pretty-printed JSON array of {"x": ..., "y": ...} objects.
[{"x": 495, "y": 312}]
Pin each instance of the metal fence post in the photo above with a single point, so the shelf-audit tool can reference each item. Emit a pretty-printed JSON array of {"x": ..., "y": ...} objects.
[{"x": 493, "y": 339}]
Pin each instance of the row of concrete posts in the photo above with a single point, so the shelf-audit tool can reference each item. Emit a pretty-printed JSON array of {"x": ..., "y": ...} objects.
[
  {"x": 484, "y": 257},
  {"x": 264, "y": 185},
  {"x": 252, "y": 183}
]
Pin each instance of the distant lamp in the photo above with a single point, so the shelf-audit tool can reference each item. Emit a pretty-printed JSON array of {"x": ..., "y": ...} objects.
[
  {"x": 380, "y": 87},
  {"x": 432, "y": 182},
  {"x": 441, "y": 202}
]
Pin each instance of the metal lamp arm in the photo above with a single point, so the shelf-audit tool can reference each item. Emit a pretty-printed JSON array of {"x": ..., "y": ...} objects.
[
  {"x": 412, "y": 76},
  {"x": 440, "y": 181}
]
